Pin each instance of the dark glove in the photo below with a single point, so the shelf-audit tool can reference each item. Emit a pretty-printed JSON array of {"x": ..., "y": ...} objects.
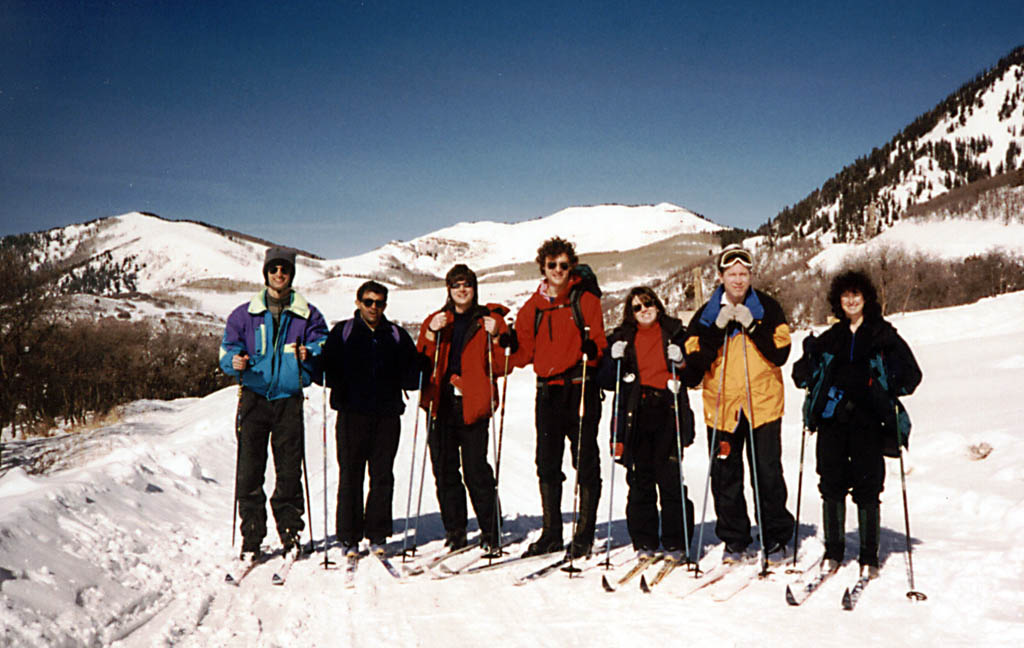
[
  {"x": 509, "y": 340},
  {"x": 589, "y": 349}
]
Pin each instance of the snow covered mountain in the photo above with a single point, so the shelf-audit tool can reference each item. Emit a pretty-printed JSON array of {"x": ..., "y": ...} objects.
[
  {"x": 486, "y": 244},
  {"x": 975, "y": 133},
  {"x": 145, "y": 253}
]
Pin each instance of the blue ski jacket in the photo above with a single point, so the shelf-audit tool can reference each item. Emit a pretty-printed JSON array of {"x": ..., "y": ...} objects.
[{"x": 273, "y": 370}]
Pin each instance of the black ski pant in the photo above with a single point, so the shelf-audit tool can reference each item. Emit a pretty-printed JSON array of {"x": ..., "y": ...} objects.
[
  {"x": 454, "y": 445},
  {"x": 733, "y": 526},
  {"x": 556, "y": 415},
  {"x": 279, "y": 423},
  {"x": 366, "y": 443},
  {"x": 653, "y": 473},
  {"x": 850, "y": 461}
]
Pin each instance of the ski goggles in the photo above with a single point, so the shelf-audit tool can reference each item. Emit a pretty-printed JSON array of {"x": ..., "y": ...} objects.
[{"x": 735, "y": 255}]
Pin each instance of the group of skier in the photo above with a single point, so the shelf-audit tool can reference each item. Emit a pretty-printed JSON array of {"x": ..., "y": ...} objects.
[{"x": 734, "y": 348}]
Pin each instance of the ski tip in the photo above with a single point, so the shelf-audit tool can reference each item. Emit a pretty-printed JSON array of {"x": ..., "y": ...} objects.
[
  {"x": 789, "y": 596},
  {"x": 847, "y": 600},
  {"x": 643, "y": 585},
  {"x": 276, "y": 580},
  {"x": 606, "y": 585}
]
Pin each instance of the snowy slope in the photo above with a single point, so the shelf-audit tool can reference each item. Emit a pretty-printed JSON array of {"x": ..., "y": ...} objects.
[
  {"x": 943, "y": 238},
  {"x": 122, "y": 540},
  {"x": 488, "y": 244}
]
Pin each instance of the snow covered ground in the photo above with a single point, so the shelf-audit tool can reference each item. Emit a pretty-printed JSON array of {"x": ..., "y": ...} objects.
[{"x": 123, "y": 538}]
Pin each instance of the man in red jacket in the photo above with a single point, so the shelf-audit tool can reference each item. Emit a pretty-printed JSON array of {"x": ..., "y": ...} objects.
[
  {"x": 461, "y": 392},
  {"x": 559, "y": 325}
]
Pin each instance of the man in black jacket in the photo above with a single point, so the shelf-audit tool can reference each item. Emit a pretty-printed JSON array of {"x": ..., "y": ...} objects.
[{"x": 368, "y": 361}]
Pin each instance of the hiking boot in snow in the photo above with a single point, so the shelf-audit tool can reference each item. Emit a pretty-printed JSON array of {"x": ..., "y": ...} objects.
[
  {"x": 455, "y": 540},
  {"x": 290, "y": 541},
  {"x": 350, "y": 549},
  {"x": 776, "y": 553},
  {"x": 735, "y": 554},
  {"x": 544, "y": 545},
  {"x": 674, "y": 555},
  {"x": 579, "y": 550},
  {"x": 251, "y": 555}
]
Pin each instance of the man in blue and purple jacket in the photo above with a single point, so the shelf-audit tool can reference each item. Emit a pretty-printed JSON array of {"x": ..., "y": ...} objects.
[{"x": 271, "y": 344}]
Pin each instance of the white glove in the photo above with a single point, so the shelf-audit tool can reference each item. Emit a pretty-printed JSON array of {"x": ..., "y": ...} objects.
[
  {"x": 673, "y": 385},
  {"x": 619, "y": 349},
  {"x": 675, "y": 354},
  {"x": 726, "y": 314},
  {"x": 743, "y": 315}
]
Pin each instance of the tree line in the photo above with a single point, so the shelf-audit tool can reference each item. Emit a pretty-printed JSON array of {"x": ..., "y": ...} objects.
[{"x": 54, "y": 368}]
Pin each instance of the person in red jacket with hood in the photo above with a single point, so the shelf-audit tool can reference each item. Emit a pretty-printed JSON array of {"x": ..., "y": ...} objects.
[
  {"x": 462, "y": 393},
  {"x": 549, "y": 336}
]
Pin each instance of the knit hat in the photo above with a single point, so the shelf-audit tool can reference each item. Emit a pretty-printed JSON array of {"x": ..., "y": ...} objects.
[{"x": 279, "y": 256}]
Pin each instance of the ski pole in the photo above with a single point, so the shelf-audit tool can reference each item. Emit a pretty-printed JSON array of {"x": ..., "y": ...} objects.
[
  {"x": 494, "y": 448},
  {"x": 238, "y": 459},
  {"x": 711, "y": 458},
  {"x": 611, "y": 478},
  {"x": 427, "y": 428},
  {"x": 753, "y": 461},
  {"x": 679, "y": 450},
  {"x": 327, "y": 561},
  {"x": 912, "y": 594},
  {"x": 302, "y": 439},
  {"x": 412, "y": 466},
  {"x": 501, "y": 432},
  {"x": 572, "y": 569},
  {"x": 799, "y": 496}
]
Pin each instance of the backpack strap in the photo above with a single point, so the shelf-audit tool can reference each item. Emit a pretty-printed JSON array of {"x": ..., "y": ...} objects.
[{"x": 346, "y": 330}]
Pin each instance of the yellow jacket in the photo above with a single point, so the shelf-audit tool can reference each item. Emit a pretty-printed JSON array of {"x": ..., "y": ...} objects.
[{"x": 758, "y": 353}]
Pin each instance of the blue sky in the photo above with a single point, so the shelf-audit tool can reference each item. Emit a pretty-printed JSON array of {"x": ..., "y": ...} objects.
[{"x": 338, "y": 126}]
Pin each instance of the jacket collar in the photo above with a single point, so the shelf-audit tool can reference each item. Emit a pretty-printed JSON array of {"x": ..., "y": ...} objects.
[{"x": 299, "y": 306}]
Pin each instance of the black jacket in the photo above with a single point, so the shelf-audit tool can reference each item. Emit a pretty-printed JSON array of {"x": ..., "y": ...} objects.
[
  {"x": 368, "y": 369},
  {"x": 672, "y": 332},
  {"x": 866, "y": 371}
]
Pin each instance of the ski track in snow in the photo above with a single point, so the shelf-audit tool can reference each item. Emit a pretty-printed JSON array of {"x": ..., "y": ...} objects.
[{"x": 125, "y": 540}]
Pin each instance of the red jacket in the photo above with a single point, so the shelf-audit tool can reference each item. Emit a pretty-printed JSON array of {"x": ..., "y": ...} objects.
[
  {"x": 478, "y": 392},
  {"x": 556, "y": 346}
]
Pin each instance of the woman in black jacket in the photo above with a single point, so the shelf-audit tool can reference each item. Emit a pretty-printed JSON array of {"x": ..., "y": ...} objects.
[
  {"x": 648, "y": 345},
  {"x": 854, "y": 374}
]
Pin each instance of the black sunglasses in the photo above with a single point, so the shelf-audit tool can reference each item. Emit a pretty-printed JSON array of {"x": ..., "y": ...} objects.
[
  {"x": 283, "y": 269},
  {"x": 642, "y": 305},
  {"x": 370, "y": 303},
  {"x": 553, "y": 264}
]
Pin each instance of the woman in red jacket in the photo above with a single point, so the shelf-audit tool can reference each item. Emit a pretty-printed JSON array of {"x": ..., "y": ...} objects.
[{"x": 463, "y": 337}]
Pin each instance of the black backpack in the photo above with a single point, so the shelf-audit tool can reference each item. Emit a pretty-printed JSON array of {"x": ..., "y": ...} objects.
[{"x": 587, "y": 283}]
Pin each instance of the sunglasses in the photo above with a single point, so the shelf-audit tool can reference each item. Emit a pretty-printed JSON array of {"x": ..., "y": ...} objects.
[
  {"x": 730, "y": 257},
  {"x": 370, "y": 303},
  {"x": 283, "y": 269},
  {"x": 460, "y": 284},
  {"x": 642, "y": 305},
  {"x": 563, "y": 265}
]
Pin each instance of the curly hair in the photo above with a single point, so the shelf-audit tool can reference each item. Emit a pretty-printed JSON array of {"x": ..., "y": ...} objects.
[
  {"x": 855, "y": 281},
  {"x": 628, "y": 316},
  {"x": 554, "y": 247}
]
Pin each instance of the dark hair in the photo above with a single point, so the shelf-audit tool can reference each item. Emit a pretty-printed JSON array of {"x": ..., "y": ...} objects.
[
  {"x": 374, "y": 287},
  {"x": 628, "y": 316},
  {"x": 554, "y": 247},
  {"x": 459, "y": 272},
  {"x": 856, "y": 281}
]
